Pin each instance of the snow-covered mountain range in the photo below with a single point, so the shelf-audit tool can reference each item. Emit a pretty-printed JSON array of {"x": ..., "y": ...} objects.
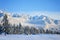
[{"x": 32, "y": 21}]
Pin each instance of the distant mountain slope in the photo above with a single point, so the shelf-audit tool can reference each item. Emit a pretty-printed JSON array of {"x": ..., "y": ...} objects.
[{"x": 36, "y": 21}]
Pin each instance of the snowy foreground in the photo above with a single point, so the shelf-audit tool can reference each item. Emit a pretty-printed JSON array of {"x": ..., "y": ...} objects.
[{"x": 31, "y": 37}]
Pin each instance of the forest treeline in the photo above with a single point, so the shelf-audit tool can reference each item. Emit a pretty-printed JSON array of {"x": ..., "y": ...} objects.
[{"x": 19, "y": 29}]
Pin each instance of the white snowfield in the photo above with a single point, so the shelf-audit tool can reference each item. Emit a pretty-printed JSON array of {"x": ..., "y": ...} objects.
[{"x": 31, "y": 37}]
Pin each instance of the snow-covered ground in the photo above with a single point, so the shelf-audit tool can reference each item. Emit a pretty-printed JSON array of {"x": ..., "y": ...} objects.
[{"x": 31, "y": 37}]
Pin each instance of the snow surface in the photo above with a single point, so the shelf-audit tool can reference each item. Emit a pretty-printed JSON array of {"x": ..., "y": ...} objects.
[{"x": 31, "y": 37}]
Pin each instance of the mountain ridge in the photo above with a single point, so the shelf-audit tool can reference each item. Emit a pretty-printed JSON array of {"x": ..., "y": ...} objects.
[{"x": 35, "y": 21}]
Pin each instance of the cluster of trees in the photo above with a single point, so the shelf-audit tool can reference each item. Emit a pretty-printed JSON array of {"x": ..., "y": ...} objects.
[{"x": 8, "y": 29}]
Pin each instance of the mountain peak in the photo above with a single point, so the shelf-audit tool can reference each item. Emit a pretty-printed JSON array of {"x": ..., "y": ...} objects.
[{"x": 1, "y": 11}]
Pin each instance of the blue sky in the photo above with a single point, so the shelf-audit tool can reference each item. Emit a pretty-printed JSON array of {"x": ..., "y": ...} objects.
[{"x": 31, "y": 6}]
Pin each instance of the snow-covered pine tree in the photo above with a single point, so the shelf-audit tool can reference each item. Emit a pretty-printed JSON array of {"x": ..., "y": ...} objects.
[{"x": 5, "y": 24}]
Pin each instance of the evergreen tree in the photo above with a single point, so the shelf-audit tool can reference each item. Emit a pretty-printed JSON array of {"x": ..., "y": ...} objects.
[
  {"x": 33, "y": 30},
  {"x": 5, "y": 24},
  {"x": 1, "y": 29},
  {"x": 21, "y": 29},
  {"x": 27, "y": 30}
]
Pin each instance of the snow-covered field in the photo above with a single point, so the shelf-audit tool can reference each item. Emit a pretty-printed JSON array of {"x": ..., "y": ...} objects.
[{"x": 31, "y": 37}]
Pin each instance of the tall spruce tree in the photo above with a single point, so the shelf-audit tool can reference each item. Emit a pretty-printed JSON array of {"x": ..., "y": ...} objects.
[
  {"x": 27, "y": 30},
  {"x": 1, "y": 29},
  {"x": 21, "y": 29},
  {"x": 5, "y": 24}
]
